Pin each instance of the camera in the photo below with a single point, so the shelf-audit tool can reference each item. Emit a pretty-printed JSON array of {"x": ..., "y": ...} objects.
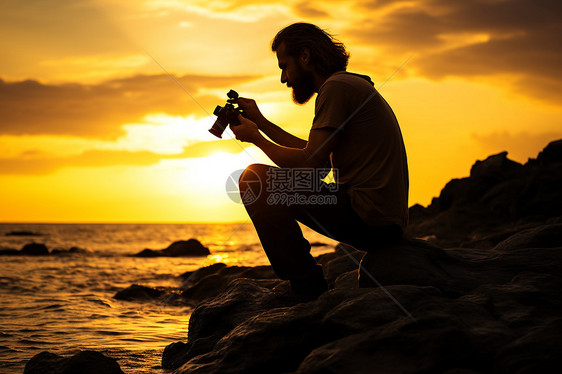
[{"x": 227, "y": 115}]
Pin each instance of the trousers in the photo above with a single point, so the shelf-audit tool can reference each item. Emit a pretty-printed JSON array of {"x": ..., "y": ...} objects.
[{"x": 275, "y": 213}]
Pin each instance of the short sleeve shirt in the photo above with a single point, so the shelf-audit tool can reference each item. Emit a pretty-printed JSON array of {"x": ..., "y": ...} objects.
[{"x": 369, "y": 156}]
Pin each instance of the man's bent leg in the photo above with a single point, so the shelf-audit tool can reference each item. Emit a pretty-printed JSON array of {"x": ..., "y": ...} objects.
[{"x": 280, "y": 234}]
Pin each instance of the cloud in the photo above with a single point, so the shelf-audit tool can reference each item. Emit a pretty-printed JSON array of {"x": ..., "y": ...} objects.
[
  {"x": 39, "y": 163},
  {"x": 305, "y": 9},
  {"x": 99, "y": 110},
  {"x": 519, "y": 38},
  {"x": 241, "y": 11}
]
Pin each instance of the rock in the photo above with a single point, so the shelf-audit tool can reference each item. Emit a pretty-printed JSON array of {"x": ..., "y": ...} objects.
[
  {"x": 29, "y": 249},
  {"x": 499, "y": 198},
  {"x": 191, "y": 247},
  {"x": 69, "y": 251},
  {"x": 83, "y": 362},
  {"x": 347, "y": 259},
  {"x": 435, "y": 342},
  {"x": 346, "y": 280},
  {"x": 545, "y": 236},
  {"x": 9, "y": 252},
  {"x": 35, "y": 249},
  {"x": 496, "y": 166},
  {"x": 181, "y": 248},
  {"x": 149, "y": 253},
  {"x": 551, "y": 154},
  {"x": 139, "y": 292},
  {"x": 213, "y": 319},
  {"x": 538, "y": 351},
  {"x": 200, "y": 285},
  {"x": 210, "y": 281},
  {"x": 438, "y": 310},
  {"x": 22, "y": 233},
  {"x": 192, "y": 277}
]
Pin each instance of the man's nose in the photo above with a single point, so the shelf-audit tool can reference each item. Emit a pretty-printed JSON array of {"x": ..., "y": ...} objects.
[{"x": 283, "y": 77}]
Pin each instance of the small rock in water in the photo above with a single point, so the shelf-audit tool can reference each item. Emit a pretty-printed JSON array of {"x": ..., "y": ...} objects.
[
  {"x": 71, "y": 250},
  {"x": 181, "y": 248},
  {"x": 22, "y": 233},
  {"x": 138, "y": 292},
  {"x": 84, "y": 362},
  {"x": 35, "y": 249},
  {"x": 191, "y": 247},
  {"x": 4, "y": 251}
]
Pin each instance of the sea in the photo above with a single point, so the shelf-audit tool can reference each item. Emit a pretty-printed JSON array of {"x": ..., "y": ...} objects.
[{"x": 64, "y": 303}]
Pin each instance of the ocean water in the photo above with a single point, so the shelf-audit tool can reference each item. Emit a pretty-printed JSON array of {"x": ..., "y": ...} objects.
[{"x": 64, "y": 303}]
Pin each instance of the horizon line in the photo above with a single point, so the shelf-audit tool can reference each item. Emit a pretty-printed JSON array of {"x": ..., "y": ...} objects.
[{"x": 119, "y": 222}]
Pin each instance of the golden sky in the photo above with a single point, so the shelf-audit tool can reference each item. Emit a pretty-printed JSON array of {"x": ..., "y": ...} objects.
[{"x": 93, "y": 130}]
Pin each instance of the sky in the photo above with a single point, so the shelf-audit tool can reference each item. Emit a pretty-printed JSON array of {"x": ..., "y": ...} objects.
[{"x": 105, "y": 105}]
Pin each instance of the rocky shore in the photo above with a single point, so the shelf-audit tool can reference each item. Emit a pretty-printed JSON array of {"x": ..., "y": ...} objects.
[{"x": 478, "y": 291}]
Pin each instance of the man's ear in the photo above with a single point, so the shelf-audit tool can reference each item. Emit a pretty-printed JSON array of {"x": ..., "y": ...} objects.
[{"x": 305, "y": 56}]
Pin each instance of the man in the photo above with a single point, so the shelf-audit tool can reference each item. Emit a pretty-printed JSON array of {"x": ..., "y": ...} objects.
[{"x": 356, "y": 130}]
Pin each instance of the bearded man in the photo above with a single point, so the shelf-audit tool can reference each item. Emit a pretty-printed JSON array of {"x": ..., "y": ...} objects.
[{"x": 354, "y": 132}]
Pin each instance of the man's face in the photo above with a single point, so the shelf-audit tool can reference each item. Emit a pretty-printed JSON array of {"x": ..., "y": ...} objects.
[{"x": 296, "y": 76}]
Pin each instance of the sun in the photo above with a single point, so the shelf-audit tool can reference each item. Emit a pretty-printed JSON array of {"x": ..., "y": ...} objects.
[
  {"x": 208, "y": 178},
  {"x": 215, "y": 169}
]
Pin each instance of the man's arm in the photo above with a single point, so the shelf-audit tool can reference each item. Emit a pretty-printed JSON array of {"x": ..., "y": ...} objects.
[
  {"x": 280, "y": 136},
  {"x": 274, "y": 132},
  {"x": 315, "y": 154}
]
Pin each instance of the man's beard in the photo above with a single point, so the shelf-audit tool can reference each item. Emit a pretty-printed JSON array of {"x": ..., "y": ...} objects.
[{"x": 303, "y": 87}]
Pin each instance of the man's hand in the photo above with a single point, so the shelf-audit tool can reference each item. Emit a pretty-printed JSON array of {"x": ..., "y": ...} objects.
[
  {"x": 250, "y": 108},
  {"x": 246, "y": 131}
]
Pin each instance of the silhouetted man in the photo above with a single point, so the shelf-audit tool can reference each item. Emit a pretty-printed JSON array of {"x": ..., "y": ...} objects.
[{"x": 354, "y": 129}]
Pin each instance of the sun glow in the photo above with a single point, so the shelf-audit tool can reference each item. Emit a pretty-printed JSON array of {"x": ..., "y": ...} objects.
[{"x": 213, "y": 171}]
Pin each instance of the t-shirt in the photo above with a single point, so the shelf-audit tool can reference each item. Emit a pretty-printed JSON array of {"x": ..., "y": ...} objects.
[{"x": 369, "y": 157}]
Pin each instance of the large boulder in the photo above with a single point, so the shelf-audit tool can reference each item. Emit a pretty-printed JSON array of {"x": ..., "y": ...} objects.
[{"x": 83, "y": 362}]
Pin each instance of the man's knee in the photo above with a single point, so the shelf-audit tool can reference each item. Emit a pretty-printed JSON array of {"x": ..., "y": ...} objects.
[
  {"x": 254, "y": 172},
  {"x": 252, "y": 183}
]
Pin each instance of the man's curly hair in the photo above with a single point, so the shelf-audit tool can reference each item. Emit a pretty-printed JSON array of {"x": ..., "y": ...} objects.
[{"x": 327, "y": 54}]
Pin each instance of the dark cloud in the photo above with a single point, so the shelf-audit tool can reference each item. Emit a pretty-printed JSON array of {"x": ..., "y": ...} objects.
[
  {"x": 524, "y": 38},
  {"x": 30, "y": 107},
  {"x": 35, "y": 162},
  {"x": 422, "y": 30}
]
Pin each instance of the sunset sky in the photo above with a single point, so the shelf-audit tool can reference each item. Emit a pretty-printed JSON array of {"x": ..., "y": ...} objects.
[{"x": 92, "y": 129}]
